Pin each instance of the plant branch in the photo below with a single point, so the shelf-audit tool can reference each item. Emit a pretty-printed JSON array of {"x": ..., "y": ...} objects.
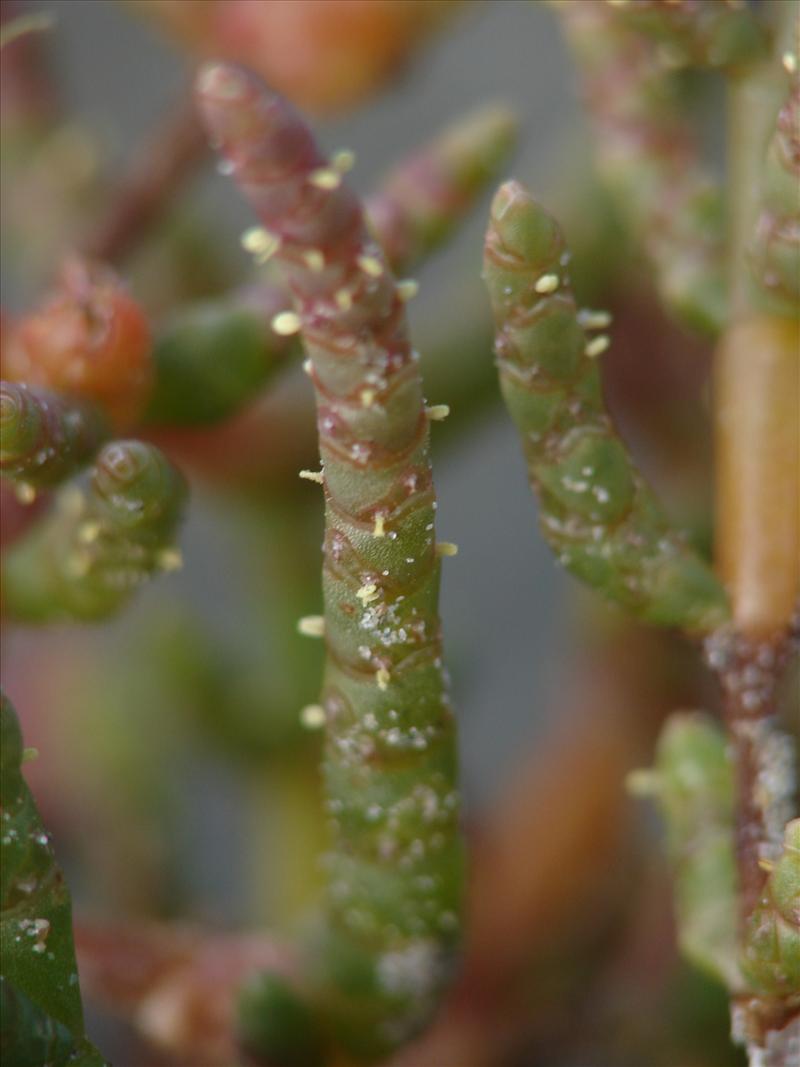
[{"x": 161, "y": 166}]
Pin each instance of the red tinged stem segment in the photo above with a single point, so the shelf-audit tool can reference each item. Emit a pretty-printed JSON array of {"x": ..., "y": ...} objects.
[{"x": 394, "y": 871}]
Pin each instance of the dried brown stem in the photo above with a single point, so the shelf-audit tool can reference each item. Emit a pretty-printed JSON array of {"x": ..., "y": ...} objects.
[{"x": 162, "y": 164}]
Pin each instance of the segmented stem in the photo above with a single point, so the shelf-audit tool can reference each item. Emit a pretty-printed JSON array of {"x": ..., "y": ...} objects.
[
  {"x": 394, "y": 870},
  {"x": 42, "y": 1017},
  {"x": 45, "y": 438},
  {"x": 422, "y": 200},
  {"x": 771, "y": 959},
  {"x": 212, "y": 358},
  {"x": 597, "y": 513},
  {"x": 87, "y": 558},
  {"x": 692, "y": 783}
]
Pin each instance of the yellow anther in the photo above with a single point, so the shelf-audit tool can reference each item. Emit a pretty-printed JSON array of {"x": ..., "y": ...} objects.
[
  {"x": 367, "y": 397},
  {"x": 313, "y": 716},
  {"x": 343, "y": 160},
  {"x": 766, "y": 865},
  {"x": 89, "y": 532},
  {"x": 548, "y": 283},
  {"x": 170, "y": 559},
  {"x": 407, "y": 289},
  {"x": 260, "y": 243},
  {"x": 597, "y": 346},
  {"x": 312, "y": 476},
  {"x": 24, "y": 493},
  {"x": 285, "y": 323},
  {"x": 311, "y": 626},
  {"x": 382, "y": 677},
  {"x": 437, "y": 412},
  {"x": 370, "y": 265},
  {"x": 325, "y": 178},
  {"x": 446, "y": 548},
  {"x": 314, "y": 260},
  {"x": 308, "y": 367},
  {"x": 367, "y": 593},
  {"x": 378, "y": 530},
  {"x": 789, "y": 60},
  {"x": 594, "y": 320},
  {"x": 344, "y": 299}
]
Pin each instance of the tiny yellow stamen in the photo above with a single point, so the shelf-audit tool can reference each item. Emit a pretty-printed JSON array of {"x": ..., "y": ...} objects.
[
  {"x": 594, "y": 320},
  {"x": 407, "y": 289},
  {"x": 260, "y": 243},
  {"x": 437, "y": 412},
  {"x": 378, "y": 530},
  {"x": 308, "y": 367},
  {"x": 343, "y": 160},
  {"x": 170, "y": 559},
  {"x": 88, "y": 532},
  {"x": 367, "y": 397},
  {"x": 548, "y": 283},
  {"x": 311, "y": 626},
  {"x": 314, "y": 260},
  {"x": 789, "y": 60},
  {"x": 766, "y": 865},
  {"x": 446, "y": 548},
  {"x": 367, "y": 593},
  {"x": 24, "y": 493},
  {"x": 382, "y": 677},
  {"x": 285, "y": 323},
  {"x": 344, "y": 299},
  {"x": 30, "y": 754},
  {"x": 325, "y": 178},
  {"x": 313, "y": 716},
  {"x": 370, "y": 265},
  {"x": 312, "y": 476},
  {"x": 597, "y": 346}
]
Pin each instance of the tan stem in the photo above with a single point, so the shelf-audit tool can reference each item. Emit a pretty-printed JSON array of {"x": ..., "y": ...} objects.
[{"x": 757, "y": 411}]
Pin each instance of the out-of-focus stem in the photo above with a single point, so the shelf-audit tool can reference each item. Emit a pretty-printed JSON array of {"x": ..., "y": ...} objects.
[{"x": 160, "y": 168}]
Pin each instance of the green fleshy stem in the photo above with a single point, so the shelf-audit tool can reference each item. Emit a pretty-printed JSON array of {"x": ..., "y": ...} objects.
[
  {"x": 647, "y": 154},
  {"x": 42, "y": 1017},
  {"x": 45, "y": 437},
  {"x": 597, "y": 513},
  {"x": 395, "y": 866},
  {"x": 84, "y": 561},
  {"x": 424, "y": 198},
  {"x": 213, "y": 358},
  {"x": 692, "y": 783},
  {"x": 771, "y": 952}
]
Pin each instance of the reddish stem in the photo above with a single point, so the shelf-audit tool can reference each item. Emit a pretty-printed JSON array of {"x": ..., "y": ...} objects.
[{"x": 161, "y": 166}]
